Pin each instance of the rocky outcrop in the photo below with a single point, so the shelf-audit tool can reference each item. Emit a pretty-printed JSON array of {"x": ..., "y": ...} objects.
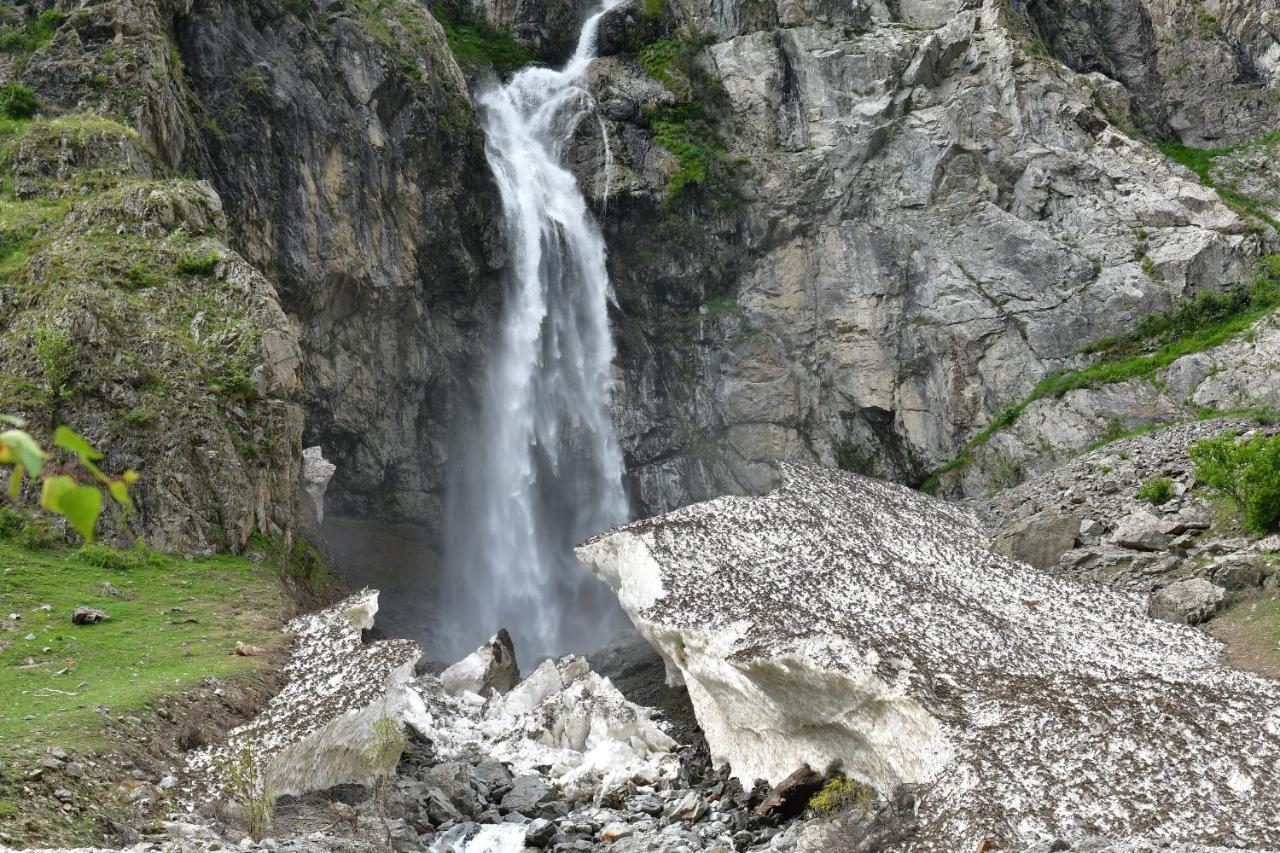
[
  {"x": 344, "y": 143},
  {"x": 920, "y": 216},
  {"x": 1199, "y": 70},
  {"x": 126, "y": 315},
  {"x": 855, "y": 625}
]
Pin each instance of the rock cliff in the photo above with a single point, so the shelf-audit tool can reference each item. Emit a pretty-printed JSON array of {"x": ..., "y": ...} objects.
[{"x": 859, "y": 234}]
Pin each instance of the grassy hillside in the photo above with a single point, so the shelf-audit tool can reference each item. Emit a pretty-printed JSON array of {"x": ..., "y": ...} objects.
[{"x": 99, "y": 692}]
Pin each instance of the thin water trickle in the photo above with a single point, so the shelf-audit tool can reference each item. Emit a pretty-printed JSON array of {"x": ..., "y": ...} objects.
[{"x": 543, "y": 469}]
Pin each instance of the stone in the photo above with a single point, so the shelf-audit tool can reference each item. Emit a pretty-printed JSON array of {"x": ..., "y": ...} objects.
[
  {"x": 1040, "y": 540},
  {"x": 842, "y": 621},
  {"x": 490, "y": 667},
  {"x": 88, "y": 616},
  {"x": 791, "y": 796},
  {"x": 1141, "y": 531},
  {"x": 539, "y": 832},
  {"x": 527, "y": 795},
  {"x": 1236, "y": 572},
  {"x": 1187, "y": 602}
]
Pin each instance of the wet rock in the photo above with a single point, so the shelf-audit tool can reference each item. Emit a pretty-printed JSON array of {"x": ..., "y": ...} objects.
[
  {"x": 1187, "y": 602},
  {"x": 539, "y": 832},
  {"x": 527, "y": 795}
]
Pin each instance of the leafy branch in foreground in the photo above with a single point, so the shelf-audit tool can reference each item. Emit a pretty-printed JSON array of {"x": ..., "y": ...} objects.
[{"x": 63, "y": 493}]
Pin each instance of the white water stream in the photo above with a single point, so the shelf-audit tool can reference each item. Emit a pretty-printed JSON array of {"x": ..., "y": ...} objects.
[{"x": 542, "y": 469}]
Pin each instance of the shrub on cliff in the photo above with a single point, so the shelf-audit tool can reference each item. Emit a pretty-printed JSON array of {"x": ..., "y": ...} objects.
[
  {"x": 1157, "y": 490},
  {"x": 18, "y": 101},
  {"x": 1245, "y": 471}
]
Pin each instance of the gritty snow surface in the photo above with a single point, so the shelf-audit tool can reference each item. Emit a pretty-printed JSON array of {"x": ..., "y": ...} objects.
[{"x": 851, "y": 623}]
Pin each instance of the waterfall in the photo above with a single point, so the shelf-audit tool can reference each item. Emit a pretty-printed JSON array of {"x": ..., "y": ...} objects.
[{"x": 542, "y": 469}]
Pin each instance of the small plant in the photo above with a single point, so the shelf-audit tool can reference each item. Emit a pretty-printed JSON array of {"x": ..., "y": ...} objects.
[
  {"x": 57, "y": 356},
  {"x": 116, "y": 559},
  {"x": 18, "y": 101},
  {"x": 1157, "y": 490},
  {"x": 243, "y": 783},
  {"x": 198, "y": 265},
  {"x": 383, "y": 754},
  {"x": 840, "y": 795},
  {"x": 1246, "y": 472}
]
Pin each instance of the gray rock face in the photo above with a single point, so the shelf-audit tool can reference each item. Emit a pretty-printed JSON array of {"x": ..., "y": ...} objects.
[
  {"x": 353, "y": 174},
  {"x": 928, "y": 219},
  {"x": 842, "y": 621},
  {"x": 1187, "y": 602},
  {"x": 1200, "y": 71}
]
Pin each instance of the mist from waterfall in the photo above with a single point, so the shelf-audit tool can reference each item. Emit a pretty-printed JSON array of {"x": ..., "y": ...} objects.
[{"x": 542, "y": 469}]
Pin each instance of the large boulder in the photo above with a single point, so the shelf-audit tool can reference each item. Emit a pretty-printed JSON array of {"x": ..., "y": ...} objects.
[
  {"x": 848, "y": 623},
  {"x": 1187, "y": 602},
  {"x": 1040, "y": 540}
]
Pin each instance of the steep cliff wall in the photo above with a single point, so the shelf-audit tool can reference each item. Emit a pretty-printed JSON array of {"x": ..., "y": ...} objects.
[
  {"x": 860, "y": 233},
  {"x": 347, "y": 186},
  {"x": 344, "y": 143},
  {"x": 123, "y": 309}
]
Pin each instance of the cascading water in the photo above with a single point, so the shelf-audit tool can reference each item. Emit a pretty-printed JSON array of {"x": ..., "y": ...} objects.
[{"x": 542, "y": 470}]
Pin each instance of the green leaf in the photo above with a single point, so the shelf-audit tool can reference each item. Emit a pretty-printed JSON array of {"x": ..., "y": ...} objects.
[
  {"x": 28, "y": 452},
  {"x": 15, "y": 480},
  {"x": 80, "y": 505},
  {"x": 120, "y": 491},
  {"x": 68, "y": 439},
  {"x": 12, "y": 421}
]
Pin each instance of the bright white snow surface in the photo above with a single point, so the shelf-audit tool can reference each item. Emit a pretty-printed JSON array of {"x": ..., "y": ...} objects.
[{"x": 847, "y": 622}]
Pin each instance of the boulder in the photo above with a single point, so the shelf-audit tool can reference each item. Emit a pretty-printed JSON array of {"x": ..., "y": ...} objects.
[
  {"x": 1141, "y": 530},
  {"x": 88, "y": 616},
  {"x": 1187, "y": 602},
  {"x": 490, "y": 667},
  {"x": 539, "y": 832},
  {"x": 841, "y": 621},
  {"x": 527, "y": 795},
  {"x": 791, "y": 796},
  {"x": 1040, "y": 540}
]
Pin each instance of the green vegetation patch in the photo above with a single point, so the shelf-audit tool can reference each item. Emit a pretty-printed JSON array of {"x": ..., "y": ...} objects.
[
  {"x": 842, "y": 794},
  {"x": 32, "y": 35},
  {"x": 1157, "y": 490},
  {"x": 1201, "y": 161},
  {"x": 1195, "y": 325},
  {"x": 477, "y": 44},
  {"x": 1246, "y": 472},
  {"x": 18, "y": 101},
  {"x": 688, "y": 127},
  {"x": 172, "y": 623}
]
